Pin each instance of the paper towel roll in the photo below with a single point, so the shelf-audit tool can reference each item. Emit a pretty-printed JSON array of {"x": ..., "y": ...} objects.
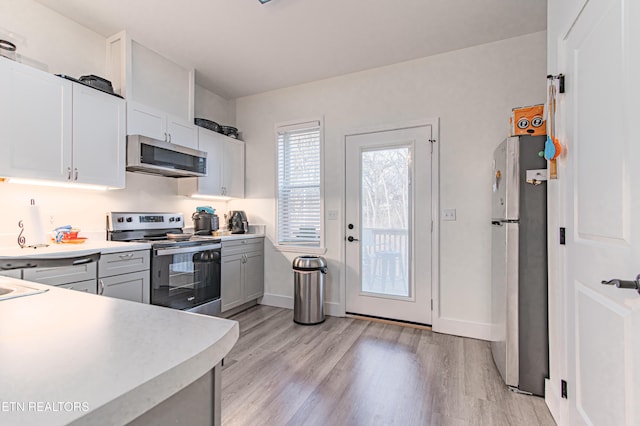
[{"x": 33, "y": 225}]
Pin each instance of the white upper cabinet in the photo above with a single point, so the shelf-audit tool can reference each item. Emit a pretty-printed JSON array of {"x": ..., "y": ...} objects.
[
  {"x": 156, "y": 124},
  {"x": 213, "y": 145},
  {"x": 181, "y": 132},
  {"x": 99, "y": 138},
  {"x": 233, "y": 168},
  {"x": 143, "y": 120},
  {"x": 225, "y": 167},
  {"x": 35, "y": 123},
  {"x": 159, "y": 92},
  {"x": 56, "y": 130}
]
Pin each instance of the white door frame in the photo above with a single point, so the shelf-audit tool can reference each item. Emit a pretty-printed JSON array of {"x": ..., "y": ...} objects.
[{"x": 435, "y": 209}]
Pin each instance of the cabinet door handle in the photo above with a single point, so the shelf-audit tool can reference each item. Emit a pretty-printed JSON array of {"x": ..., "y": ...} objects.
[
  {"x": 68, "y": 173},
  {"x": 169, "y": 137},
  {"x": 76, "y": 173},
  {"x": 166, "y": 138},
  {"x": 126, "y": 256},
  {"x": 101, "y": 287}
]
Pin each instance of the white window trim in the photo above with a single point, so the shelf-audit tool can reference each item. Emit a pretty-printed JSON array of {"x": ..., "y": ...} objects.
[{"x": 291, "y": 248}]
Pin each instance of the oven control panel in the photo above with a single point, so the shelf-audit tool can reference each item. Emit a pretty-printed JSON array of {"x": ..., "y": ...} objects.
[{"x": 134, "y": 221}]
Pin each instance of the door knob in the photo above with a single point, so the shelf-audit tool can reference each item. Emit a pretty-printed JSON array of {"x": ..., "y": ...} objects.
[
  {"x": 350, "y": 226},
  {"x": 351, "y": 239},
  {"x": 624, "y": 283}
]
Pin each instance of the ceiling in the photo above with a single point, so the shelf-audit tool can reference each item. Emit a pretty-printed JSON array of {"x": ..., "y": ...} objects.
[{"x": 240, "y": 47}]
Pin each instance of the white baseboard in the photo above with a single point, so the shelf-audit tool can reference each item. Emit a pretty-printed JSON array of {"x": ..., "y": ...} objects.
[
  {"x": 554, "y": 402},
  {"x": 475, "y": 330},
  {"x": 330, "y": 308},
  {"x": 277, "y": 300},
  {"x": 333, "y": 309}
]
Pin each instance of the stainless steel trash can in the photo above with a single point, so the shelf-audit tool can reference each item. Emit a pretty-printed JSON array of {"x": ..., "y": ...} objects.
[{"x": 308, "y": 283}]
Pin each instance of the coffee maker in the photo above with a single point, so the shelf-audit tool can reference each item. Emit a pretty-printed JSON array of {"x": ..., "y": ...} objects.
[{"x": 237, "y": 222}]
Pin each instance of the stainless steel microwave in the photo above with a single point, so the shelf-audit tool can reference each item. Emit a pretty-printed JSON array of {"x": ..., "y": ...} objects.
[{"x": 152, "y": 156}]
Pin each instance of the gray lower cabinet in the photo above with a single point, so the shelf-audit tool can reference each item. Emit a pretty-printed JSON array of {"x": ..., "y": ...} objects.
[
  {"x": 254, "y": 275},
  {"x": 17, "y": 273},
  {"x": 231, "y": 280},
  {"x": 77, "y": 277},
  {"x": 125, "y": 275},
  {"x": 242, "y": 271},
  {"x": 88, "y": 286},
  {"x": 121, "y": 275}
]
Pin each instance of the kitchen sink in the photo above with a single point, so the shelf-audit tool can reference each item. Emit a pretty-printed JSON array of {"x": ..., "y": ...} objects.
[{"x": 10, "y": 290}]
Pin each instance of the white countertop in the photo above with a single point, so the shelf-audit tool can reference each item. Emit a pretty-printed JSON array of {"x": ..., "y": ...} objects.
[
  {"x": 239, "y": 236},
  {"x": 65, "y": 249},
  {"x": 71, "y": 357},
  {"x": 90, "y": 246}
]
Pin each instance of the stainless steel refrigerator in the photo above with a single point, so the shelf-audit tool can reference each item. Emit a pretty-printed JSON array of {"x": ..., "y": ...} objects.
[{"x": 520, "y": 339}]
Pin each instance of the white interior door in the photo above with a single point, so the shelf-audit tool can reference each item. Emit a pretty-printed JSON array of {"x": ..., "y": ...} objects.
[
  {"x": 389, "y": 224},
  {"x": 603, "y": 203}
]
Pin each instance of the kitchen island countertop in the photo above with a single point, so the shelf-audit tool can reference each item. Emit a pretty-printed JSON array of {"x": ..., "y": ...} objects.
[{"x": 67, "y": 357}]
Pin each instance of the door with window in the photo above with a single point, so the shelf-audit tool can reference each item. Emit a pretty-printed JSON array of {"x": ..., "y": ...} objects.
[{"x": 389, "y": 224}]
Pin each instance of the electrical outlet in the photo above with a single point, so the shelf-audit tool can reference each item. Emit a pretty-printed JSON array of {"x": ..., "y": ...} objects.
[
  {"x": 332, "y": 214},
  {"x": 449, "y": 214}
]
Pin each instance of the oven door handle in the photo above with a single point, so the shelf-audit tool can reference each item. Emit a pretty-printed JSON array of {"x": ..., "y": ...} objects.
[{"x": 192, "y": 249}]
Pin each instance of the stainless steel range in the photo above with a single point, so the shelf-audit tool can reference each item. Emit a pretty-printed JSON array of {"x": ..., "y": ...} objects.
[{"x": 185, "y": 269}]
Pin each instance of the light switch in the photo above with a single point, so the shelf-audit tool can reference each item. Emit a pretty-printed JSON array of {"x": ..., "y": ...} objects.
[
  {"x": 332, "y": 214},
  {"x": 449, "y": 214}
]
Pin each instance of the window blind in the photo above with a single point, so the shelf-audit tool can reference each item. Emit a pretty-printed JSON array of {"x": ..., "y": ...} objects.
[{"x": 299, "y": 175}]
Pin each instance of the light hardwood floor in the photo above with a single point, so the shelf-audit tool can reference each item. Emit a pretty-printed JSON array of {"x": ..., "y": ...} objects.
[{"x": 348, "y": 371}]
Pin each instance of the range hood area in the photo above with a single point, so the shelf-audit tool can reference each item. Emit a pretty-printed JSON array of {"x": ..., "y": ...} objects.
[{"x": 156, "y": 157}]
